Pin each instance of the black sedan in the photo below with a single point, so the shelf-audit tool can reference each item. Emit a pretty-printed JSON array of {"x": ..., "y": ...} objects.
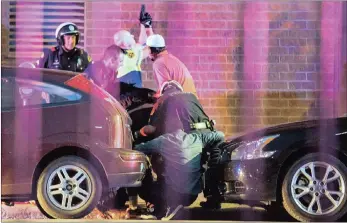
[{"x": 301, "y": 166}]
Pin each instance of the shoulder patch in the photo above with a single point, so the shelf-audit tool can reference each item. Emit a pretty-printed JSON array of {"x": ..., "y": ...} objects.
[
  {"x": 53, "y": 49},
  {"x": 89, "y": 58}
]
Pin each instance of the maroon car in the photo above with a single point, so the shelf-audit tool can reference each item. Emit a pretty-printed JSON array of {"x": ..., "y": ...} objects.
[{"x": 64, "y": 142}]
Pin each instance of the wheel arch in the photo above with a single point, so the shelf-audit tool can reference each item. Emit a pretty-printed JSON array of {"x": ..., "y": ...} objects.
[
  {"x": 296, "y": 155},
  {"x": 66, "y": 151}
]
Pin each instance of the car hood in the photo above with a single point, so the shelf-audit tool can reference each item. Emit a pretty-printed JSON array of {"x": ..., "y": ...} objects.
[{"x": 277, "y": 129}]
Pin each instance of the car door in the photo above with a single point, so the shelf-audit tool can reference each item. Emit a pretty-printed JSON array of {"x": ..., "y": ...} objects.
[
  {"x": 34, "y": 107},
  {"x": 7, "y": 133}
]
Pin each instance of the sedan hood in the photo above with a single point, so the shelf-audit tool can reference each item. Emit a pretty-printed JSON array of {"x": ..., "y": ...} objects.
[{"x": 277, "y": 129}]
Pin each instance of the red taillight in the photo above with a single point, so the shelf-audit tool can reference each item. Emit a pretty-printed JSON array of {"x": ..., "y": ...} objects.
[{"x": 80, "y": 82}]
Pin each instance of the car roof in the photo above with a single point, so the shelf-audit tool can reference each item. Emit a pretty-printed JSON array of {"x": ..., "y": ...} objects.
[{"x": 48, "y": 75}]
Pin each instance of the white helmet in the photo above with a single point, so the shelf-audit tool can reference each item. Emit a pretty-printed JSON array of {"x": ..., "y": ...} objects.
[
  {"x": 155, "y": 41},
  {"x": 124, "y": 39},
  {"x": 170, "y": 84}
]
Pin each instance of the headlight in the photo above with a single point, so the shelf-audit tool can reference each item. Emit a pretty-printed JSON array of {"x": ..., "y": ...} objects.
[{"x": 253, "y": 149}]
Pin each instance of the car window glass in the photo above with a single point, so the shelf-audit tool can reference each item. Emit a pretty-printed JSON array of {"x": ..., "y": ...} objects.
[
  {"x": 7, "y": 92},
  {"x": 36, "y": 93}
]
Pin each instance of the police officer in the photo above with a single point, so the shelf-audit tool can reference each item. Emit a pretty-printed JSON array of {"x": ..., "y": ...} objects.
[
  {"x": 65, "y": 56},
  {"x": 183, "y": 132}
]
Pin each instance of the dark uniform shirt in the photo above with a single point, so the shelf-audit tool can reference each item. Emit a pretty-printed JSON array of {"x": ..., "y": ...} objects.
[
  {"x": 76, "y": 60},
  {"x": 177, "y": 111}
]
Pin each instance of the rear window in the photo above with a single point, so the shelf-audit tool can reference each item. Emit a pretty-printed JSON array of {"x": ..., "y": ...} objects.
[
  {"x": 17, "y": 92},
  {"x": 41, "y": 93}
]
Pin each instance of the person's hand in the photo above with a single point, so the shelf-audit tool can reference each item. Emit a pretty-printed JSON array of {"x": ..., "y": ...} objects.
[
  {"x": 147, "y": 130},
  {"x": 145, "y": 18},
  {"x": 152, "y": 97}
]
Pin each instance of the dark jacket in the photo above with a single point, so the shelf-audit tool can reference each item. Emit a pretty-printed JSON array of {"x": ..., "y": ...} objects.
[
  {"x": 77, "y": 60},
  {"x": 177, "y": 111}
]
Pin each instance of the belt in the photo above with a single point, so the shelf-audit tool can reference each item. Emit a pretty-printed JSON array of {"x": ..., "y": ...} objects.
[{"x": 202, "y": 125}]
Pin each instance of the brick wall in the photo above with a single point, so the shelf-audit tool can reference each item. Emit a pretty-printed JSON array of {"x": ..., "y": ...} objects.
[{"x": 254, "y": 64}]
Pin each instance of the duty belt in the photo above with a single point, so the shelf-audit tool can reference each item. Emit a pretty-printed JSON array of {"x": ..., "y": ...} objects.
[{"x": 202, "y": 125}]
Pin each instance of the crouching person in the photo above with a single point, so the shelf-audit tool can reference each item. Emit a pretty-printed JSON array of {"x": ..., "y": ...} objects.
[{"x": 181, "y": 130}]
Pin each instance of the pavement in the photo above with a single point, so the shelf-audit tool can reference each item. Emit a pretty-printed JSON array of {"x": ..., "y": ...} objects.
[{"x": 229, "y": 212}]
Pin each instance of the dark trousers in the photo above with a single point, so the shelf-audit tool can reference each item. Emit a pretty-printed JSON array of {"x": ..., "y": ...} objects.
[{"x": 162, "y": 195}]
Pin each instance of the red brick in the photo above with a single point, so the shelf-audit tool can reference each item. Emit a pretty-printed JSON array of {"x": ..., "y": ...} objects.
[
  {"x": 183, "y": 42},
  {"x": 313, "y": 24},
  {"x": 293, "y": 76},
  {"x": 184, "y": 25},
  {"x": 223, "y": 16},
  {"x": 276, "y": 50},
  {"x": 293, "y": 42},
  {"x": 303, "y": 15},
  {"x": 278, "y": 6},
  {"x": 274, "y": 120},
  {"x": 103, "y": 6},
  {"x": 308, "y": 85},
  {"x": 292, "y": 95},
  {"x": 213, "y": 7},
  {"x": 131, "y": 7},
  {"x": 215, "y": 112},
  {"x": 301, "y": 67},
  {"x": 213, "y": 25},
  {"x": 186, "y": 7},
  {"x": 275, "y": 103},
  {"x": 293, "y": 112},
  {"x": 275, "y": 68},
  {"x": 295, "y": 85},
  {"x": 203, "y": 93},
  {"x": 213, "y": 59},
  {"x": 275, "y": 85},
  {"x": 293, "y": 59},
  {"x": 269, "y": 112},
  {"x": 201, "y": 84},
  {"x": 235, "y": 6},
  {"x": 219, "y": 103},
  {"x": 212, "y": 42},
  {"x": 312, "y": 76},
  {"x": 300, "y": 103},
  {"x": 212, "y": 76}
]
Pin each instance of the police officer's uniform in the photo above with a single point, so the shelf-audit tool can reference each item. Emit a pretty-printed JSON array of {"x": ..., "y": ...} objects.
[{"x": 76, "y": 60}]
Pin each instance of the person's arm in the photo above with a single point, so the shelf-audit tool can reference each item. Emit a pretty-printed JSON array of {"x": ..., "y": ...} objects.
[
  {"x": 161, "y": 73},
  {"x": 86, "y": 59},
  {"x": 153, "y": 146},
  {"x": 42, "y": 62},
  {"x": 143, "y": 34}
]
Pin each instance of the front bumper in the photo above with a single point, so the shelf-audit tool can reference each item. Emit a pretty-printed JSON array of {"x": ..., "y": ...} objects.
[{"x": 250, "y": 180}]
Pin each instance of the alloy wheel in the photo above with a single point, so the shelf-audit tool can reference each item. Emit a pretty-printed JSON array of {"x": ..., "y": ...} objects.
[
  {"x": 318, "y": 188},
  {"x": 69, "y": 187}
]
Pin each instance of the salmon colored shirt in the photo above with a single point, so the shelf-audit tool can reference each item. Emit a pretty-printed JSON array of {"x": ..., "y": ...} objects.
[{"x": 168, "y": 67}]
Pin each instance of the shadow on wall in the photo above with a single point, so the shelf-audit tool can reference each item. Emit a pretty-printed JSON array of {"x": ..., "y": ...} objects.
[{"x": 235, "y": 56}]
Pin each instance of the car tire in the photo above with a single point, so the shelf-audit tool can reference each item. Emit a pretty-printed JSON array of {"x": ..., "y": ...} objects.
[
  {"x": 306, "y": 197},
  {"x": 68, "y": 196}
]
